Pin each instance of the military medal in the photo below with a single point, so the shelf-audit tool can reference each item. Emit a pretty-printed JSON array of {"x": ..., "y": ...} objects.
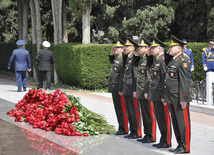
[{"x": 185, "y": 65}]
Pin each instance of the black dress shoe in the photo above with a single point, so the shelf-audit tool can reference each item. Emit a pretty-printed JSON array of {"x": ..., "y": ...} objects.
[
  {"x": 177, "y": 148},
  {"x": 141, "y": 139},
  {"x": 146, "y": 141},
  {"x": 127, "y": 136},
  {"x": 179, "y": 151},
  {"x": 155, "y": 145},
  {"x": 120, "y": 133},
  {"x": 24, "y": 88},
  {"x": 162, "y": 145},
  {"x": 134, "y": 136}
]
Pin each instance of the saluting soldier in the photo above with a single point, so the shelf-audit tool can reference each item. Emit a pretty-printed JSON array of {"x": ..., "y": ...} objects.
[
  {"x": 177, "y": 95},
  {"x": 155, "y": 92},
  {"x": 143, "y": 78},
  {"x": 208, "y": 64},
  {"x": 115, "y": 87},
  {"x": 129, "y": 92},
  {"x": 188, "y": 55}
]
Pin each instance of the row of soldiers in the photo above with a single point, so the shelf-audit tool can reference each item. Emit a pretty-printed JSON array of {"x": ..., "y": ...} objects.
[{"x": 150, "y": 84}]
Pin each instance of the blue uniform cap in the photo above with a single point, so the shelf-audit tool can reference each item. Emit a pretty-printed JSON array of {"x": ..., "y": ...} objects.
[
  {"x": 20, "y": 42},
  {"x": 184, "y": 41},
  {"x": 211, "y": 41}
]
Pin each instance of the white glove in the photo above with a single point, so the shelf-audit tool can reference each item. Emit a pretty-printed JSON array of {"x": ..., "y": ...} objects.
[
  {"x": 192, "y": 68},
  {"x": 205, "y": 67}
]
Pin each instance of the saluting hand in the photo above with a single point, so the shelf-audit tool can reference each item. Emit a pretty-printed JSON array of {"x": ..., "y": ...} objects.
[
  {"x": 8, "y": 67},
  {"x": 120, "y": 93},
  {"x": 146, "y": 96},
  {"x": 29, "y": 69},
  {"x": 183, "y": 105},
  {"x": 134, "y": 94}
]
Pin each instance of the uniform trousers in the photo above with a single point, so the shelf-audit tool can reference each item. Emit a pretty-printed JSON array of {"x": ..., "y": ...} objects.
[
  {"x": 209, "y": 87},
  {"x": 181, "y": 125},
  {"x": 42, "y": 74},
  {"x": 120, "y": 110},
  {"x": 148, "y": 116},
  {"x": 133, "y": 115},
  {"x": 21, "y": 79},
  {"x": 163, "y": 119}
]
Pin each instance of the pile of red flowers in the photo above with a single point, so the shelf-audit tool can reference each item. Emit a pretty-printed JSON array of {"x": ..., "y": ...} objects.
[{"x": 47, "y": 111}]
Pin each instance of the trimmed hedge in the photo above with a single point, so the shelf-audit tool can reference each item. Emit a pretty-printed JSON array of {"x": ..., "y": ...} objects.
[{"x": 88, "y": 65}]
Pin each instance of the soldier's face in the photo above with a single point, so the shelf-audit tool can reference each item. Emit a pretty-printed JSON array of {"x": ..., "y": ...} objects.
[
  {"x": 151, "y": 50},
  {"x": 119, "y": 51},
  {"x": 128, "y": 49},
  {"x": 156, "y": 51},
  {"x": 143, "y": 49},
  {"x": 174, "y": 50},
  {"x": 211, "y": 46}
]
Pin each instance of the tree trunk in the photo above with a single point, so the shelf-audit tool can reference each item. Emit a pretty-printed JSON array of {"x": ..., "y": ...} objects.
[
  {"x": 33, "y": 21},
  {"x": 57, "y": 19},
  {"x": 38, "y": 24},
  {"x": 20, "y": 19},
  {"x": 33, "y": 25},
  {"x": 86, "y": 31},
  {"x": 64, "y": 22},
  {"x": 25, "y": 20}
]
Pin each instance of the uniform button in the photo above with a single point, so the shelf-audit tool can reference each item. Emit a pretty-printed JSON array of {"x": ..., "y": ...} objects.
[
  {"x": 149, "y": 86},
  {"x": 165, "y": 80},
  {"x": 150, "y": 80},
  {"x": 164, "y": 86}
]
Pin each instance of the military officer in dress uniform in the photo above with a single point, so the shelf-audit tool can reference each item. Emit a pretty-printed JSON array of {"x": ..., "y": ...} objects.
[
  {"x": 155, "y": 92},
  {"x": 188, "y": 55},
  {"x": 115, "y": 87},
  {"x": 129, "y": 92},
  {"x": 22, "y": 64},
  {"x": 177, "y": 95},
  {"x": 208, "y": 64},
  {"x": 143, "y": 78}
]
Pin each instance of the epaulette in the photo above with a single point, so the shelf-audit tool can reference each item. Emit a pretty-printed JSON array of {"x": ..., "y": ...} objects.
[
  {"x": 204, "y": 49},
  {"x": 190, "y": 49}
]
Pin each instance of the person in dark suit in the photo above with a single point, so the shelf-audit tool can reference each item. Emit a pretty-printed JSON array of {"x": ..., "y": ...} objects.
[
  {"x": 129, "y": 92},
  {"x": 155, "y": 92},
  {"x": 143, "y": 78},
  {"x": 115, "y": 87},
  {"x": 22, "y": 64},
  {"x": 177, "y": 95},
  {"x": 45, "y": 59}
]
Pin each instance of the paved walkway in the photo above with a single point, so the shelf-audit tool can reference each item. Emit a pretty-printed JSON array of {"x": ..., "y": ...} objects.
[{"x": 36, "y": 141}]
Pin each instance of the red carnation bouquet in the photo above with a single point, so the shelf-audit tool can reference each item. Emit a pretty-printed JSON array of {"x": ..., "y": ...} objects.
[{"x": 54, "y": 112}]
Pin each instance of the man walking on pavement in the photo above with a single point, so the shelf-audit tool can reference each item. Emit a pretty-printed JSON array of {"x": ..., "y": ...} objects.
[
  {"x": 115, "y": 87},
  {"x": 129, "y": 92},
  {"x": 143, "y": 78},
  {"x": 155, "y": 93},
  {"x": 45, "y": 59},
  {"x": 177, "y": 95},
  {"x": 22, "y": 64}
]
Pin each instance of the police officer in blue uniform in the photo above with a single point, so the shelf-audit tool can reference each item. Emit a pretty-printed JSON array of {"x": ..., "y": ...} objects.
[
  {"x": 22, "y": 64},
  {"x": 208, "y": 65},
  {"x": 187, "y": 52}
]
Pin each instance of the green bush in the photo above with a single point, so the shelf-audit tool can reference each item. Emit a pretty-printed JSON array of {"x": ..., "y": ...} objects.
[{"x": 86, "y": 66}]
